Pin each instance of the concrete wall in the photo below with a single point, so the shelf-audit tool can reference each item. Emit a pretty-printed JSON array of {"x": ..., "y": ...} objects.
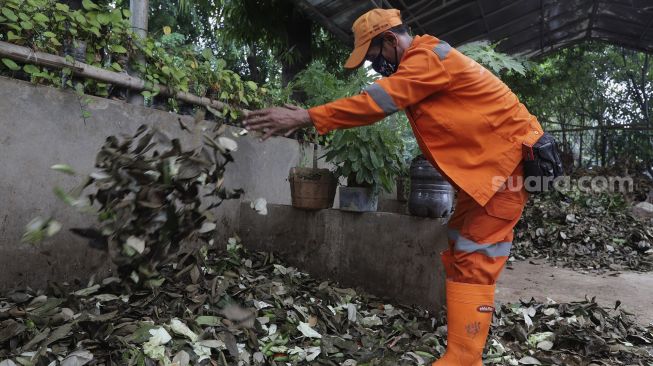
[
  {"x": 42, "y": 126},
  {"x": 390, "y": 255}
]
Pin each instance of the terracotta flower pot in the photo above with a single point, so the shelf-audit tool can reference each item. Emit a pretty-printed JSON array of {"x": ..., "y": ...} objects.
[{"x": 312, "y": 188}]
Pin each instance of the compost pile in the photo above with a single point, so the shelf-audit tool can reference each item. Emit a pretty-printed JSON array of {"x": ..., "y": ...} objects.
[
  {"x": 584, "y": 231},
  {"x": 228, "y": 308}
]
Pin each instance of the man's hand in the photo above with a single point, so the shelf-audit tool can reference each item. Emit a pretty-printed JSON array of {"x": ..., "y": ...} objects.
[{"x": 278, "y": 120}]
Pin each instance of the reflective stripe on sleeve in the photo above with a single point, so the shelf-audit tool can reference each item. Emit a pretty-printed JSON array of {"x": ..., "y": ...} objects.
[
  {"x": 442, "y": 49},
  {"x": 501, "y": 249},
  {"x": 382, "y": 99}
]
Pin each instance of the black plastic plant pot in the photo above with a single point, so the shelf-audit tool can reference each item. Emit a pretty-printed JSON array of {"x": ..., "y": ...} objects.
[{"x": 430, "y": 194}]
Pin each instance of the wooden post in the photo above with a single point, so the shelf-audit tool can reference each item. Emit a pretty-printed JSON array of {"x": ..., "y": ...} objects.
[{"x": 139, "y": 15}]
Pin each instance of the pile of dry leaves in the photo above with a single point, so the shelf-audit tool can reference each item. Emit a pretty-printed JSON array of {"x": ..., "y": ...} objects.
[
  {"x": 586, "y": 231},
  {"x": 237, "y": 308}
]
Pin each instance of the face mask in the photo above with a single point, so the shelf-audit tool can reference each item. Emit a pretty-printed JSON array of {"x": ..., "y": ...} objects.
[{"x": 383, "y": 66}]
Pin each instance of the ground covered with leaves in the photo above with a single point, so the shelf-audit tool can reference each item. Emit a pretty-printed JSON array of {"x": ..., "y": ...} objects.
[
  {"x": 169, "y": 305},
  {"x": 584, "y": 231},
  {"x": 228, "y": 308}
]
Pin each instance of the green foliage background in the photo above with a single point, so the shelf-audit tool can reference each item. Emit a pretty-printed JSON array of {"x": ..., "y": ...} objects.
[{"x": 597, "y": 99}]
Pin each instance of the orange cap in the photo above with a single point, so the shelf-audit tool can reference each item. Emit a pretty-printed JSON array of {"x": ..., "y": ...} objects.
[{"x": 368, "y": 26}]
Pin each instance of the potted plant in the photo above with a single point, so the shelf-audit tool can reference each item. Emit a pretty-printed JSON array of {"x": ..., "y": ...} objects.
[
  {"x": 370, "y": 158},
  {"x": 311, "y": 188}
]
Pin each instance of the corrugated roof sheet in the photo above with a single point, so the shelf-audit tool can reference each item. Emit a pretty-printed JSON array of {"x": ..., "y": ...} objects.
[{"x": 529, "y": 27}]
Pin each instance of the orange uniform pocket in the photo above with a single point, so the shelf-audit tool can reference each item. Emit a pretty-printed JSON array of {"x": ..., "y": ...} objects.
[
  {"x": 494, "y": 222},
  {"x": 507, "y": 208}
]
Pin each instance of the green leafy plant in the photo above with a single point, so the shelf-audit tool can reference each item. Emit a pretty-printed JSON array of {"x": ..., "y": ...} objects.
[
  {"x": 485, "y": 53},
  {"x": 368, "y": 156},
  {"x": 321, "y": 86}
]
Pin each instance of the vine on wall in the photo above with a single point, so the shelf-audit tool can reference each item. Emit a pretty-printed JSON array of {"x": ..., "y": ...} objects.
[{"x": 101, "y": 36}]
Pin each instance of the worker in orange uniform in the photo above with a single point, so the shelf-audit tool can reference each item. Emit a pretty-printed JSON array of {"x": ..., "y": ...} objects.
[{"x": 469, "y": 125}]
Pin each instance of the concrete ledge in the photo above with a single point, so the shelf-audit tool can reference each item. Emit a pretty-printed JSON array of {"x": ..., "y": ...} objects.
[{"x": 390, "y": 255}]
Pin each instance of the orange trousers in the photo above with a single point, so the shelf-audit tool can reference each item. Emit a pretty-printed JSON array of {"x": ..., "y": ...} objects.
[{"x": 480, "y": 237}]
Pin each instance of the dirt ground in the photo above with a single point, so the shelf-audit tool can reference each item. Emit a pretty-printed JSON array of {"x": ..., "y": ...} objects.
[{"x": 526, "y": 279}]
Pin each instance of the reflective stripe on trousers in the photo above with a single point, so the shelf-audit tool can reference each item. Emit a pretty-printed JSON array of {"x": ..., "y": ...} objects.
[{"x": 462, "y": 244}]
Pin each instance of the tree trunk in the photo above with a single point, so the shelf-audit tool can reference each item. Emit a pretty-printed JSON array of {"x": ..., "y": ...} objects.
[
  {"x": 299, "y": 34},
  {"x": 580, "y": 151},
  {"x": 604, "y": 147},
  {"x": 254, "y": 65},
  {"x": 611, "y": 153},
  {"x": 647, "y": 113},
  {"x": 596, "y": 147},
  {"x": 643, "y": 86}
]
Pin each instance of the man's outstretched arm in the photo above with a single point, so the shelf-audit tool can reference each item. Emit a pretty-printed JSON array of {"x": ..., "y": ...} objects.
[
  {"x": 343, "y": 113},
  {"x": 420, "y": 74},
  {"x": 277, "y": 120}
]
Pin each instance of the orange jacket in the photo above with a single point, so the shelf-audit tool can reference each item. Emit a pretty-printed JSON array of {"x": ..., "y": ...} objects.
[{"x": 466, "y": 121}]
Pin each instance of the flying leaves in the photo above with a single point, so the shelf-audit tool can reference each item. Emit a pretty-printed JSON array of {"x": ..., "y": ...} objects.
[{"x": 153, "y": 195}]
